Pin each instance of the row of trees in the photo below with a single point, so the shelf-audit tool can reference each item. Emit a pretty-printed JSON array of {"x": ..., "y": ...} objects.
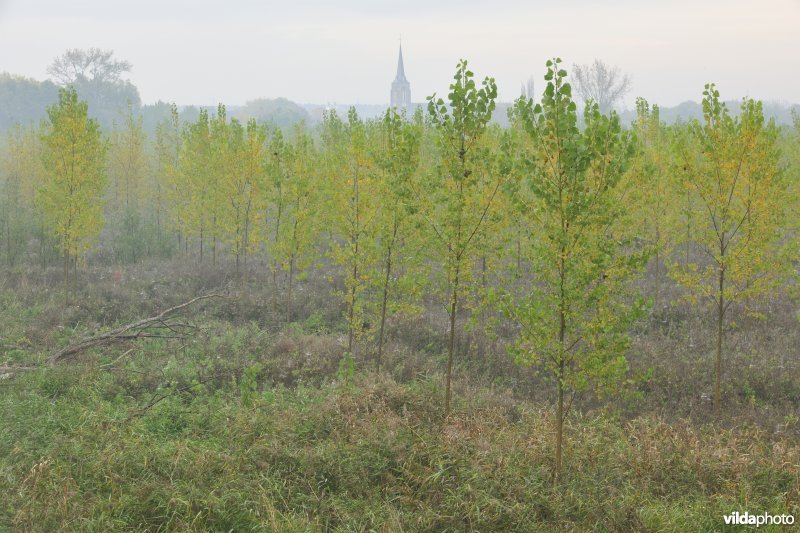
[{"x": 546, "y": 222}]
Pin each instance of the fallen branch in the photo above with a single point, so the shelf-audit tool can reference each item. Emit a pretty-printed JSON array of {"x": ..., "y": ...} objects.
[
  {"x": 157, "y": 326},
  {"x": 4, "y": 369},
  {"x": 11, "y": 347}
]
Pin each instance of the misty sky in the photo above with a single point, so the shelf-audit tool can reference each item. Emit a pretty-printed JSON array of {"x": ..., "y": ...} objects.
[{"x": 203, "y": 51}]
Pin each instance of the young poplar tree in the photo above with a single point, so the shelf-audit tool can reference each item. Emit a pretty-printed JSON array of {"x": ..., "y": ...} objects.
[
  {"x": 70, "y": 196},
  {"x": 278, "y": 162},
  {"x": 164, "y": 191},
  {"x": 126, "y": 157},
  {"x": 652, "y": 192},
  {"x": 299, "y": 202},
  {"x": 397, "y": 155},
  {"x": 221, "y": 163},
  {"x": 127, "y": 168},
  {"x": 459, "y": 197},
  {"x": 738, "y": 205},
  {"x": 574, "y": 316},
  {"x": 21, "y": 173},
  {"x": 353, "y": 201},
  {"x": 240, "y": 177},
  {"x": 192, "y": 190}
]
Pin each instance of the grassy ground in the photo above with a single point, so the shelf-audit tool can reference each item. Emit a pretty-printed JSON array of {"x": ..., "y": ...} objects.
[{"x": 255, "y": 425}]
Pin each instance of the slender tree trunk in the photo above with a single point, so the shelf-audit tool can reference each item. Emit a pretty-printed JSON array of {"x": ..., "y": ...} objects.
[
  {"x": 246, "y": 243},
  {"x": 74, "y": 271},
  {"x": 481, "y": 341},
  {"x": 718, "y": 363},
  {"x": 658, "y": 277},
  {"x": 688, "y": 229},
  {"x": 562, "y": 334},
  {"x": 559, "y": 422},
  {"x": 66, "y": 276},
  {"x": 289, "y": 289},
  {"x": 386, "y": 280},
  {"x": 451, "y": 346},
  {"x": 275, "y": 257},
  {"x": 8, "y": 240},
  {"x": 356, "y": 228},
  {"x": 351, "y": 314}
]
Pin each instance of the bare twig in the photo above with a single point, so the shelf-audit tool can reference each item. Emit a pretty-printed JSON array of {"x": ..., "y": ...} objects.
[{"x": 117, "y": 359}]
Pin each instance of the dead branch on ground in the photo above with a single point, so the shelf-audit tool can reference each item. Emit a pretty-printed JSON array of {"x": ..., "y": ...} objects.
[{"x": 160, "y": 326}]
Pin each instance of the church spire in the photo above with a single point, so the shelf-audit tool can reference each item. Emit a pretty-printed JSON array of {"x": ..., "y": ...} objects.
[
  {"x": 400, "y": 96},
  {"x": 401, "y": 71}
]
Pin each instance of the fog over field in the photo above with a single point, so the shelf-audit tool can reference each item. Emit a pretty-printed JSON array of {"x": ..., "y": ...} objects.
[{"x": 203, "y": 52}]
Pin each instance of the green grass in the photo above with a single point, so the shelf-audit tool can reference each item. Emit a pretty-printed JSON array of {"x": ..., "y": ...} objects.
[
  {"x": 371, "y": 454},
  {"x": 249, "y": 426}
]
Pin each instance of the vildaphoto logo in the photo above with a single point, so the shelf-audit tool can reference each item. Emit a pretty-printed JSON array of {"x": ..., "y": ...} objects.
[{"x": 764, "y": 519}]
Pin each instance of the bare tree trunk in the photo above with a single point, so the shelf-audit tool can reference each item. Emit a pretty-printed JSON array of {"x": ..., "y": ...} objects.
[
  {"x": 289, "y": 290},
  {"x": 657, "y": 280},
  {"x": 384, "y": 304},
  {"x": 275, "y": 260},
  {"x": 66, "y": 276},
  {"x": 351, "y": 314},
  {"x": 718, "y": 363},
  {"x": 74, "y": 271},
  {"x": 452, "y": 343},
  {"x": 562, "y": 334},
  {"x": 8, "y": 240},
  {"x": 559, "y": 422},
  {"x": 246, "y": 243}
]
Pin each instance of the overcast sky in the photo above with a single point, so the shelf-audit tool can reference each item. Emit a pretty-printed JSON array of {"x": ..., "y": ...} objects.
[{"x": 203, "y": 51}]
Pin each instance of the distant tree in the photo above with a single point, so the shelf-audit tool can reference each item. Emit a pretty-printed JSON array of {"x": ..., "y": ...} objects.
[
  {"x": 20, "y": 175},
  {"x": 730, "y": 170},
  {"x": 164, "y": 186},
  {"x": 127, "y": 170},
  {"x": 24, "y": 101},
  {"x": 70, "y": 196},
  {"x": 601, "y": 83},
  {"x": 127, "y": 161},
  {"x": 221, "y": 162},
  {"x": 191, "y": 191},
  {"x": 652, "y": 193},
  {"x": 98, "y": 79},
  {"x": 278, "y": 112},
  {"x": 77, "y": 66}
]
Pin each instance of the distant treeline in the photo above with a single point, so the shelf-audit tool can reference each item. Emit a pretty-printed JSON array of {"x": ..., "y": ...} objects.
[{"x": 23, "y": 101}]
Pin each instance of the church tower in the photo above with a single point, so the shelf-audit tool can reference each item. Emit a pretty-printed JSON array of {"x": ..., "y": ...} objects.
[{"x": 400, "y": 97}]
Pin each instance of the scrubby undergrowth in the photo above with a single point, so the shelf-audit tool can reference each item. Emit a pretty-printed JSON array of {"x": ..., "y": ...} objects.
[
  {"x": 361, "y": 454},
  {"x": 252, "y": 424}
]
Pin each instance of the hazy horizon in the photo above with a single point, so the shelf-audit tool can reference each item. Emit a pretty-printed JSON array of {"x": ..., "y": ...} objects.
[{"x": 195, "y": 53}]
